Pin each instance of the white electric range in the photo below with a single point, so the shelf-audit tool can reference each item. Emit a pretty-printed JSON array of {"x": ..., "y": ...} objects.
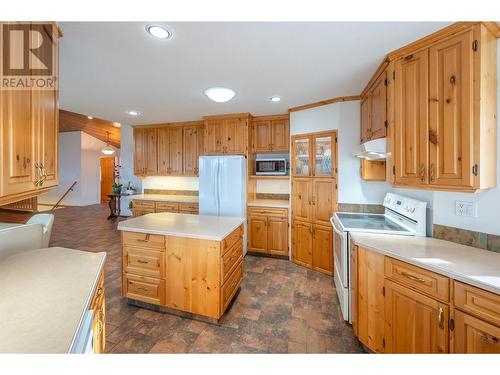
[{"x": 403, "y": 216}]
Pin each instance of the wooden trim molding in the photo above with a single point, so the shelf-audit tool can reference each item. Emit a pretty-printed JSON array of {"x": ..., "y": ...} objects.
[
  {"x": 271, "y": 117},
  {"x": 324, "y": 102},
  {"x": 180, "y": 123},
  {"x": 228, "y": 115}
]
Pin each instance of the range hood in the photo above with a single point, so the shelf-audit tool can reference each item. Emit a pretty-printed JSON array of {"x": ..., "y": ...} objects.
[{"x": 372, "y": 150}]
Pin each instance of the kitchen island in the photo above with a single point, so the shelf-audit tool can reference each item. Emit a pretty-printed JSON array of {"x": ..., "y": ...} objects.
[
  {"x": 46, "y": 295},
  {"x": 182, "y": 263}
]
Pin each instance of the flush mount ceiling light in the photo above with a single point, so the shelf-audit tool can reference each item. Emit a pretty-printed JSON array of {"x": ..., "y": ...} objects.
[
  {"x": 275, "y": 99},
  {"x": 90, "y": 117},
  {"x": 108, "y": 150},
  {"x": 133, "y": 113},
  {"x": 220, "y": 94},
  {"x": 158, "y": 31},
  {"x": 117, "y": 124}
]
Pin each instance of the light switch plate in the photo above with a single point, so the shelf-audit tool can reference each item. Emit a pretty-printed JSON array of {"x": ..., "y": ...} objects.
[{"x": 468, "y": 209}]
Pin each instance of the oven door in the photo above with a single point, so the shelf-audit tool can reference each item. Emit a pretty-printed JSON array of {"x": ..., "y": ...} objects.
[{"x": 340, "y": 261}]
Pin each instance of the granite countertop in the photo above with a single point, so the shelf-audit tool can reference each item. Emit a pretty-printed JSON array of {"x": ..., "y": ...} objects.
[
  {"x": 166, "y": 198},
  {"x": 183, "y": 225},
  {"x": 275, "y": 203},
  {"x": 470, "y": 265},
  {"x": 44, "y": 296}
]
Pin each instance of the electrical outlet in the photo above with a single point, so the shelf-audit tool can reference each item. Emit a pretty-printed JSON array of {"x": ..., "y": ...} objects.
[{"x": 468, "y": 209}]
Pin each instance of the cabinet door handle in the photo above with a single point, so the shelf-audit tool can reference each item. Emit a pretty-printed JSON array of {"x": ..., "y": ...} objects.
[
  {"x": 411, "y": 277},
  {"x": 144, "y": 240},
  {"x": 441, "y": 318},
  {"x": 422, "y": 173},
  {"x": 142, "y": 261},
  {"x": 432, "y": 172}
]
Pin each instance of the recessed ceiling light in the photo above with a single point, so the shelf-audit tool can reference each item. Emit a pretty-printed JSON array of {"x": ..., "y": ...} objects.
[
  {"x": 275, "y": 99},
  {"x": 158, "y": 31},
  {"x": 133, "y": 113},
  {"x": 90, "y": 117},
  {"x": 220, "y": 94}
]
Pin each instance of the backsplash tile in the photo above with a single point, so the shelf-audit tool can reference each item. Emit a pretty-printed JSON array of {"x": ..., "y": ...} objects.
[
  {"x": 467, "y": 237},
  {"x": 361, "y": 208},
  {"x": 171, "y": 192}
]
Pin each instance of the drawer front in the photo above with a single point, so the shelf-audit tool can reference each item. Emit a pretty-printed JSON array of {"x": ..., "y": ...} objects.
[
  {"x": 146, "y": 289},
  {"x": 167, "y": 207},
  {"x": 190, "y": 207},
  {"x": 143, "y": 240},
  {"x": 427, "y": 282},
  {"x": 268, "y": 211},
  {"x": 144, "y": 262},
  {"x": 478, "y": 302},
  {"x": 230, "y": 287},
  {"x": 138, "y": 211},
  {"x": 230, "y": 260},
  {"x": 144, "y": 204},
  {"x": 232, "y": 238}
]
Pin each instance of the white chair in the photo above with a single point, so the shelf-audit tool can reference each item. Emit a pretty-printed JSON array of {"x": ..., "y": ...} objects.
[
  {"x": 21, "y": 238},
  {"x": 47, "y": 220}
]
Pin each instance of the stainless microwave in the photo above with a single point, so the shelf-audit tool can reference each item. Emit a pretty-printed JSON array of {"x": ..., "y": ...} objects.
[{"x": 271, "y": 167}]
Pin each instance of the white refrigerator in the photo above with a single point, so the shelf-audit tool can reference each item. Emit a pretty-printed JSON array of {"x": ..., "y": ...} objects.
[{"x": 223, "y": 187}]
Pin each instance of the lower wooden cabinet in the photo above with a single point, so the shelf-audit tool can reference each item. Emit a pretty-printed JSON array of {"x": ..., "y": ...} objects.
[
  {"x": 401, "y": 308},
  {"x": 98, "y": 305},
  {"x": 473, "y": 335},
  {"x": 415, "y": 323},
  {"x": 140, "y": 207},
  {"x": 268, "y": 230},
  {"x": 312, "y": 246}
]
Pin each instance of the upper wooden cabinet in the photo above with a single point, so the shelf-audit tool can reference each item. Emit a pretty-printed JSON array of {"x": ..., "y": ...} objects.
[
  {"x": 227, "y": 134},
  {"x": 168, "y": 150},
  {"x": 270, "y": 134},
  {"x": 29, "y": 127},
  {"x": 314, "y": 155},
  {"x": 374, "y": 110},
  {"x": 445, "y": 113}
]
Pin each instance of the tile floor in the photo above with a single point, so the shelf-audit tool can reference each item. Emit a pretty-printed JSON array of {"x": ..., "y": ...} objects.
[{"x": 281, "y": 308}]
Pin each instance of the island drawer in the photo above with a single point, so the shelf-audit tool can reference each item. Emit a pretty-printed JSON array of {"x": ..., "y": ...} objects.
[
  {"x": 230, "y": 260},
  {"x": 230, "y": 287},
  {"x": 142, "y": 288},
  {"x": 144, "y": 204},
  {"x": 143, "y": 240},
  {"x": 144, "y": 262},
  {"x": 188, "y": 208},
  {"x": 425, "y": 281},
  {"x": 232, "y": 238},
  {"x": 478, "y": 302},
  {"x": 167, "y": 207},
  {"x": 268, "y": 211}
]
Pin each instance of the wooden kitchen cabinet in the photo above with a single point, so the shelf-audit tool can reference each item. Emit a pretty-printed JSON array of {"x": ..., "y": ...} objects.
[
  {"x": 98, "y": 305},
  {"x": 368, "y": 297},
  {"x": 268, "y": 230},
  {"x": 302, "y": 243},
  {"x": 445, "y": 113},
  {"x": 270, "y": 134},
  {"x": 301, "y": 156},
  {"x": 314, "y": 155},
  {"x": 192, "y": 138},
  {"x": 374, "y": 110},
  {"x": 323, "y": 200},
  {"x": 143, "y": 207},
  {"x": 29, "y": 126},
  {"x": 227, "y": 134},
  {"x": 415, "y": 323},
  {"x": 145, "y": 151},
  {"x": 170, "y": 151},
  {"x": 475, "y": 336},
  {"x": 322, "y": 249},
  {"x": 302, "y": 191}
]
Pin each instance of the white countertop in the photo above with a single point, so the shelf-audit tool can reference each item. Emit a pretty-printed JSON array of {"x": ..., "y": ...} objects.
[
  {"x": 166, "y": 198},
  {"x": 470, "y": 265},
  {"x": 44, "y": 296},
  {"x": 9, "y": 225},
  {"x": 183, "y": 225},
  {"x": 274, "y": 203}
]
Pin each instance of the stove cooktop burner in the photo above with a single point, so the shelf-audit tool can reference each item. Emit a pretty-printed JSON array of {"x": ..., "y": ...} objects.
[{"x": 369, "y": 222}]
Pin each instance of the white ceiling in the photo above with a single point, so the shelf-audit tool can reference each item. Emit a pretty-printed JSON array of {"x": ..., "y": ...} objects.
[{"x": 107, "y": 68}]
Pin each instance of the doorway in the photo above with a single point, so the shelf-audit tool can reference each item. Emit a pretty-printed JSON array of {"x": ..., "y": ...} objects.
[{"x": 107, "y": 169}]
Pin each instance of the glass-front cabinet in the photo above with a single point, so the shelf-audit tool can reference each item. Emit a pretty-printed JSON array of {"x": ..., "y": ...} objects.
[{"x": 314, "y": 155}]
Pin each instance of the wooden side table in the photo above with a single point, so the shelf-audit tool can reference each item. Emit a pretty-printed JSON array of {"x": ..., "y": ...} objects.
[{"x": 114, "y": 205}]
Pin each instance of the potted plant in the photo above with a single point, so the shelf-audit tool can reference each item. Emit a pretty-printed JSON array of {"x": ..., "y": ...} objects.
[{"x": 117, "y": 186}]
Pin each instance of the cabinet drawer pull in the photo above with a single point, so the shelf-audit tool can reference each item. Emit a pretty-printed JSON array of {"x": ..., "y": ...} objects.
[
  {"x": 411, "y": 277},
  {"x": 99, "y": 291},
  {"x": 441, "y": 318},
  {"x": 144, "y": 240},
  {"x": 142, "y": 261},
  {"x": 409, "y": 57}
]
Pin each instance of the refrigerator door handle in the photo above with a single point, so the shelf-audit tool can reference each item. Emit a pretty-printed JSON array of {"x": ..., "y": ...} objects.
[{"x": 218, "y": 185}]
